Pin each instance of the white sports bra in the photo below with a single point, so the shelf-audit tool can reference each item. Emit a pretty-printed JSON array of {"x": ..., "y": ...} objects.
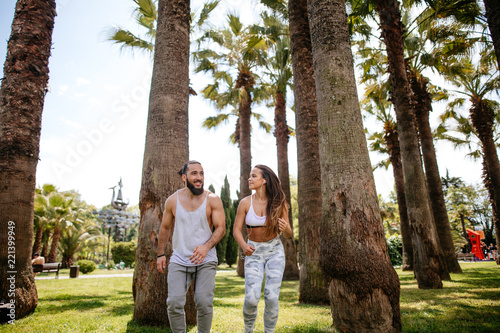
[{"x": 252, "y": 220}]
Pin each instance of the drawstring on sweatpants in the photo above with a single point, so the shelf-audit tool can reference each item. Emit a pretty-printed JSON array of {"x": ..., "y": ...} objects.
[{"x": 195, "y": 276}]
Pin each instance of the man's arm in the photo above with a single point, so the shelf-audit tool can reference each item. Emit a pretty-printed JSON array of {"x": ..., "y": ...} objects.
[
  {"x": 219, "y": 223},
  {"x": 164, "y": 235}
]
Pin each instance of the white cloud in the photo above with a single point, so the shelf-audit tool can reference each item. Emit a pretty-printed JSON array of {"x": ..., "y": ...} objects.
[
  {"x": 82, "y": 81},
  {"x": 63, "y": 89}
]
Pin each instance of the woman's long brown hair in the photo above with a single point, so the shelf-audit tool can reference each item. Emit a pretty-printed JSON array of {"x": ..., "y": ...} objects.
[{"x": 276, "y": 201}]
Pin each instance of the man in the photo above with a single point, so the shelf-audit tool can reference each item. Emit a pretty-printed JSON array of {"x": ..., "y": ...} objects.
[{"x": 195, "y": 212}]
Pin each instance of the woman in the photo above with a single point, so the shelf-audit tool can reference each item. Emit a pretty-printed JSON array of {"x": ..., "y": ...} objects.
[{"x": 265, "y": 215}]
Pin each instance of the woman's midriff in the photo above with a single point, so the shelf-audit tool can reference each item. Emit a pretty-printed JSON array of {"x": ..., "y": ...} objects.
[{"x": 257, "y": 235}]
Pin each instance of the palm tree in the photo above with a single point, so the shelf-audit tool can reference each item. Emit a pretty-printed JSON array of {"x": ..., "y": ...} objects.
[
  {"x": 313, "y": 286},
  {"x": 41, "y": 209},
  {"x": 146, "y": 16},
  {"x": 471, "y": 13},
  {"x": 79, "y": 235},
  {"x": 233, "y": 71},
  {"x": 22, "y": 95},
  {"x": 417, "y": 61},
  {"x": 377, "y": 104},
  {"x": 493, "y": 15},
  {"x": 274, "y": 35},
  {"x": 476, "y": 83},
  {"x": 353, "y": 247},
  {"x": 429, "y": 265},
  {"x": 166, "y": 148},
  {"x": 59, "y": 214}
]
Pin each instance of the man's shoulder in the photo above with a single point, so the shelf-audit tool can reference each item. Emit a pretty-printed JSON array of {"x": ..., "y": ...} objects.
[
  {"x": 172, "y": 199},
  {"x": 213, "y": 198}
]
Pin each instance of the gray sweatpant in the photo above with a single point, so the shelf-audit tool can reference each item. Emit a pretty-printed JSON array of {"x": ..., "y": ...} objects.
[
  {"x": 268, "y": 258},
  {"x": 179, "y": 278}
]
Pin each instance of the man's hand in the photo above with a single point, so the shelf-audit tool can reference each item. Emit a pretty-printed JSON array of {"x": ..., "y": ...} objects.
[
  {"x": 199, "y": 254},
  {"x": 161, "y": 264}
]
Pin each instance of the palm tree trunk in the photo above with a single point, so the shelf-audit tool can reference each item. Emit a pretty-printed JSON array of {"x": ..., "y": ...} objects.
[
  {"x": 53, "y": 246},
  {"x": 464, "y": 233},
  {"x": 491, "y": 194},
  {"x": 392, "y": 142},
  {"x": 493, "y": 16},
  {"x": 45, "y": 245},
  {"x": 38, "y": 241},
  {"x": 353, "y": 247},
  {"x": 281, "y": 133},
  {"x": 313, "y": 288},
  {"x": 429, "y": 266},
  {"x": 245, "y": 157},
  {"x": 482, "y": 119},
  {"x": 423, "y": 106},
  {"x": 166, "y": 149},
  {"x": 22, "y": 94},
  {"x": 66, "y": 262}
]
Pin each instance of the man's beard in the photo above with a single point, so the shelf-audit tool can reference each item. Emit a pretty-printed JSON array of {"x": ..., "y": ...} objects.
[{"x": 194, "y": 190}]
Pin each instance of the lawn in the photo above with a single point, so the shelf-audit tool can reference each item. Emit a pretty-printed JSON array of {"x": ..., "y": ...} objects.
[{"x": 468, "y": 303}]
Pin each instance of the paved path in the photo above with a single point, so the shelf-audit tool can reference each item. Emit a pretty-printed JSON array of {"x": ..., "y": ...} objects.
[
  {"x": 83, "y": 276},
  {"x": 96, "y": 276}
]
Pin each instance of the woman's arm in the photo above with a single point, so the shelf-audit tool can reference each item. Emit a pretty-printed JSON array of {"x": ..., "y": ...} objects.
[
  {"x": 284, "y": 224},
  {"x": 238, "y": 226}
]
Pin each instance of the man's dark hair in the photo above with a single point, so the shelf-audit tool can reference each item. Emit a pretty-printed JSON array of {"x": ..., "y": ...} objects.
[
  {"x": 36, "y": 255},
  {"x": 186, "y": 165}
]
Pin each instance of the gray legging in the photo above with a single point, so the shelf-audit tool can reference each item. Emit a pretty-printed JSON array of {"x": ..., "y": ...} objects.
[{"x": 268, "y": 258}]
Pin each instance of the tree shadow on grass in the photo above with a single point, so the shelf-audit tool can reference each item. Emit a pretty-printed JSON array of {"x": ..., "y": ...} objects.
[
  {"x": 68, "y": 304},
  {"x": 135, "y": 327},
  {"x": 122, "y": 310},
  {"x": 463, "y": 319}
]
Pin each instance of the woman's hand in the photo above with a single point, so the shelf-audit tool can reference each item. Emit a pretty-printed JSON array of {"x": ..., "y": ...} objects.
[
  {"x": 248, "y": 250},
  {"x": 284, "y": 227}
]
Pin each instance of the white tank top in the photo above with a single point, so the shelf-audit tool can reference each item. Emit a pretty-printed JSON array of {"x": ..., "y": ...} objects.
[
  {"x": 190, "y": 230},
  {"x": 252, "y": 219}
]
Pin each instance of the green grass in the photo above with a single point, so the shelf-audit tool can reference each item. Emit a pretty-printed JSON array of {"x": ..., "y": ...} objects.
[{"x": 468, "y": 303}]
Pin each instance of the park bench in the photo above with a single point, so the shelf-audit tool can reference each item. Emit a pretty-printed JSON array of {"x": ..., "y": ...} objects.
[
  {"x": 47, "y": 268},
  {"x": 466, "y": 256}
]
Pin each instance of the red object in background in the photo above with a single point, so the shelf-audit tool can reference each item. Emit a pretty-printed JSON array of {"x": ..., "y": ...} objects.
[{"x": 475, "y": 240}]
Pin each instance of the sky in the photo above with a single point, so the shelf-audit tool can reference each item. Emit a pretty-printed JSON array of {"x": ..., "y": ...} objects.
[{"x": 94, "y": 117}]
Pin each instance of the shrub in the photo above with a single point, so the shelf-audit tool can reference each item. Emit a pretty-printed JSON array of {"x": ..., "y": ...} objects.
[
  {"x": 395, "y": 248},
  {"x": 111, "y": 264},
  {"x": 86, "y": 266},
  {"x": 124, "y": 251}
]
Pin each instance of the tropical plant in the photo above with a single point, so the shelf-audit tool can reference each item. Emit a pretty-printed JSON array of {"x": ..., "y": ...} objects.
[
  {"x": 60, "y": 214},
  {"x": 146, "y": 16},
  {"x": 79, "y": 235}
]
